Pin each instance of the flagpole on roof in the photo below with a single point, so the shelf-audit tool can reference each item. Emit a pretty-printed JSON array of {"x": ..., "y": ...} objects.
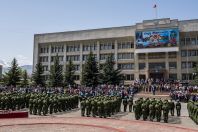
[{"x": 155, "y": 7}]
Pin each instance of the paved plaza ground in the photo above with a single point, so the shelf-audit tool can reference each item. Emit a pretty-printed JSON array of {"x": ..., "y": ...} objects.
[{"x": 71, "y": 121}]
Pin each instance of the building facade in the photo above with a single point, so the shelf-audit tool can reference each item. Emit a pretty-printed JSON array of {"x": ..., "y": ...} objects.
[{"x": 159, "y": 48}]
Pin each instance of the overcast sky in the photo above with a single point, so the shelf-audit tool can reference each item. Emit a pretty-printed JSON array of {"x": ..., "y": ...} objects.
[{"x": 21, "y": 19}]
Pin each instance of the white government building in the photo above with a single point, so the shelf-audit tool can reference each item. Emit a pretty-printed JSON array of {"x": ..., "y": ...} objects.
[{"x": 159, "y": 48}]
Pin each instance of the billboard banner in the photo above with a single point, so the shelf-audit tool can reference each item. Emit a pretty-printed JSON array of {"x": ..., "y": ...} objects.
[{"x": 157, "y": 38}]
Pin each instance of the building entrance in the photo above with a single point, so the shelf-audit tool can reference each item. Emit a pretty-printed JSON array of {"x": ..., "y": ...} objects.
[{"x": 156, "y": 75}]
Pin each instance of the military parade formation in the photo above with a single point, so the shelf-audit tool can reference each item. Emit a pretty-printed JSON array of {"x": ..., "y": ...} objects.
[
  {"x": 101, "y": 106},
  {"x": 192, "y": 107},
  {"x": 38, "y": 103}
]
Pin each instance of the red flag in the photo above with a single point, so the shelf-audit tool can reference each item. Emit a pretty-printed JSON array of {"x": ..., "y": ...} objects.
[{"x": 155, "y": 6}]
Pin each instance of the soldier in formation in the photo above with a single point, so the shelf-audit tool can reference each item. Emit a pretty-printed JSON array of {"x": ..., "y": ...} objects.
[
  {"x": 38, "y": 103},
  {"x": 101, "y": 106},
  {"x": 153, "y": 109},
  {"x": 192, "y": 107}
]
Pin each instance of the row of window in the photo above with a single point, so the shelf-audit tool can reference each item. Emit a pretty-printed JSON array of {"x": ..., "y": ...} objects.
[
  {"x": 126, "y": 66},
  {"x": 125, "y": 45},
  {"x": 190, "y": 64},
  {"x": 73, "y": 48},
  {"x": 57, "y": 49},
  {"x": 189, "y": 41},
  {"x": 107, "y": 46},
  {"x": 59, "y": 57},
  {"x": 44, "y": 59},
  {"x": 125, "y": 55},
  {"x": 89, "y": 47},
  {"x": 157, "y": 55},
  {"x": 188, "y": 53},
  {"x": 44, "y": 50}
]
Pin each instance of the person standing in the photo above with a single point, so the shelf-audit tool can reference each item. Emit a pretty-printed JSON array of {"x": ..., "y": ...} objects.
[
  {"x": 178, "y": 108},
  {"x": 130, "y": 103},
  {"x": 125, "y": 103},
  {"x": 172, "y": 107}
]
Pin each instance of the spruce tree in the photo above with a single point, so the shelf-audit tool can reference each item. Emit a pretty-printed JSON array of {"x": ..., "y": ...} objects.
[
  {"x": 195, "y": 81},
  {"x": 108, "y": 74},
  {"x": 56, "y": 76},
  {"x": 24, "y": 81},
  {"x": 90, "y": 72},
  {"x": 37, "y": 76},
  {"x": 13, "y": 76},
  {"x": 69, "y": 74}
]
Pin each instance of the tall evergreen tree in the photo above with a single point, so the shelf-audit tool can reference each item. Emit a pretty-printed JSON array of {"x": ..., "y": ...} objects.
[
  {"x": 13, "y": 76},
  {"x": 108, "y": 74},
  {"x": 56, "y": 76},
  {"x": 195, "y": 74},
  {"x": 37, "y": 76},
  {"x": 69, "y": 74},
  {"x": 90, "y": 72},
  {"x": 24, "y": 81}
]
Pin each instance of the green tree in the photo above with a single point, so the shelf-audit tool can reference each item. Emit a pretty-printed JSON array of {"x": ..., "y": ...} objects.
[
  {"x": 69, "y": 74},
  {"x": 13, "y": 76},
  {"x": 108, "y": 74},
  {"x": 56, "y": 76},
  {"x": 90, "y": 72},
  {"x": 37, "y": 76},
  {"x": 195, "y": 74},
  {"x": 24, "y": 81}
]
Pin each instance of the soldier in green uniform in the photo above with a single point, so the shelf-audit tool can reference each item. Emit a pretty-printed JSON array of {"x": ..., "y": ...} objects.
[
  {"x": 151, "y": 111},
  {"x": 83, "y": 107},
  {"x": 130, "y": 103},
  {"x": 45, "y": 107},
  {"x": 178, "y": 108},
  {"x": 125, "y": 103},
  {"x": 172, "y": 107},
  {"x": 158, "y": 112},
  {"x": 144, "y": 111},
  {"x": 165, "y": 108}
]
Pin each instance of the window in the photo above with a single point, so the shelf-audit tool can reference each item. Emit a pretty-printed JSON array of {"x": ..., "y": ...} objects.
[
  {"x": 76, "y": 77},
  {"x": 172, "y": 55},
  {"x": 44, "y": 59},
  {"x": 107, "y": 46},
  {"x": 105, "y": 56},
  {"x": 187, "y": 76},
  {"x": 73, "y": 48},
  {"x": 129, "y": 77},
  {"x": 86, "y": 56},
  {"x": 188, "y": 65},
  {"x": 173, "y": 76},
  {"x": 182, "y": 41},
  {"x": 45, "y": 68},
  {"x": 126, "y": 66},
  {"x": 193, "y": 41},
  {"x": 73, "y": 58},
  {"x": 141, "y": 56},
  {"x": 156, "y": 65},
  {"x": 44, "y": 50},
  {"x": 77, "y": 67},
  {"x": 125, "y": 45},
  {"x": 56, "y": 49},
  {"x": 172, "y": 65},
  {"x": 183, "y": 53},
  {"x": 187, "y": 41},
  {"x": 125, "y": 55},
  {"x": 156, "y": 55},
  {"x": 142, "y": 66}
]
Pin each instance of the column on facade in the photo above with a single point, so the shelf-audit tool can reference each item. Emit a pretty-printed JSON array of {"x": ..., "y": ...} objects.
[
  {"x": 64, "y": 58},
  {"x": 166, "y": 65},
  {"x": 98, "y": 53},
  {"x": 49, "y": 56},
  {"x": 179, "y": 70},
  {"x": 116, "y": 54},
  {"x": 146, "y": 65},
  {"x": 81, "y": 56}
]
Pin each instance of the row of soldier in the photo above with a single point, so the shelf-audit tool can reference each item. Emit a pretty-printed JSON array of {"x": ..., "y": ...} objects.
[
  {"x": 38, "y": 103},
  {"x": 192, "y": 107},
  {"x": 102, "y": 106},
  {"x": 51, "y": 103},
  {"x": 152, "y": 108}
]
